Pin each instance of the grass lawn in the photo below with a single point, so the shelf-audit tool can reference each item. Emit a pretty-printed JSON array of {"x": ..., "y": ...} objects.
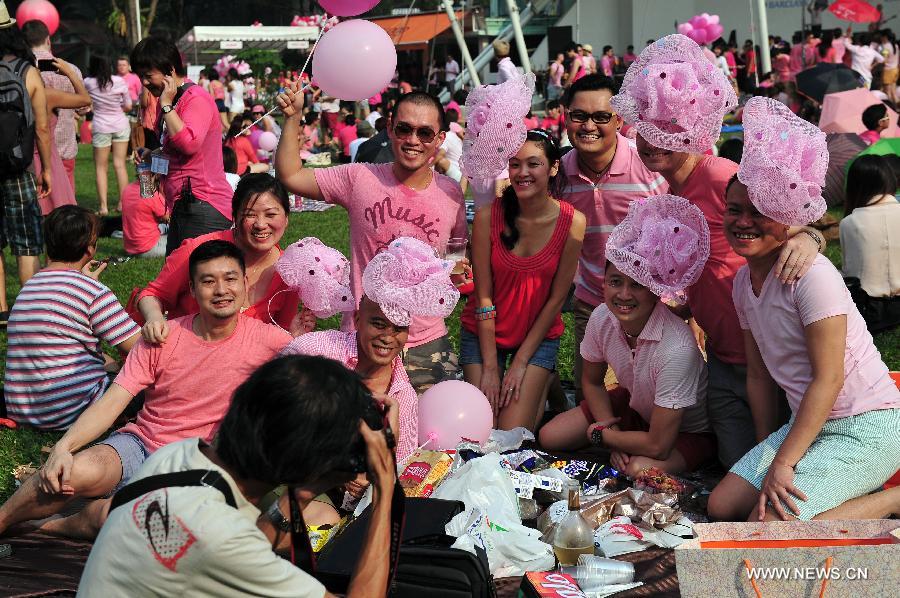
[{"x": 331, "y": 226}]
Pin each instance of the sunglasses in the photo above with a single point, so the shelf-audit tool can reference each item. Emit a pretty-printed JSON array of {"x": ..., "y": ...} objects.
[
  {"x": 600, "y": 118},
  {"x": 403, "y": 131}
]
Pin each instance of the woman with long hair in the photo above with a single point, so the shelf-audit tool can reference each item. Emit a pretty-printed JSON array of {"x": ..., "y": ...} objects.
[
  {"x": 870, "y": 229},
  {"x": 111, "y": 100},
  {"x": 525, "y": 250},
  {"x": 247, "y": 161}
]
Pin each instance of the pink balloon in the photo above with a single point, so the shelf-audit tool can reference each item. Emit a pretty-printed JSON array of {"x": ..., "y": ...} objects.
[
  {"x": 714, "y": 32},
  {"x": 347, "y": 8},
  {"x": 254, "y": 136},
  {"x": 698, "y": 35},
  {"x": 713, "y": 19},
  {"x": 354, "y": 60},
  {"x": 684, "y": 28},
  {"x": 38, "y": 10},
  {"x": 451, "y": 411},
  {"x": 268, "y": 141},
  {"x": 699, "y": 22}
]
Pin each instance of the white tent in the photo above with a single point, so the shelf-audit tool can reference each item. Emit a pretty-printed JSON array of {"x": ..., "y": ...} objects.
[{"x": 219, "y": 40}]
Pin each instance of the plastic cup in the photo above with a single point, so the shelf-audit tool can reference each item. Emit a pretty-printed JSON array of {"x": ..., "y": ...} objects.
[{"x": 593, "y": 571}]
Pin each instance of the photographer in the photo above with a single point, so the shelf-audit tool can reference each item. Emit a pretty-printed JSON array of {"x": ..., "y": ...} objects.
[{"x": 296, "y": 420}]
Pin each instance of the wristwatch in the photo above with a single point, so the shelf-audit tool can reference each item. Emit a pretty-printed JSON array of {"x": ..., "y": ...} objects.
[
  {"x": 597, "y": 435},
  {"x": 166, "y": 108},
  {"x": 277, "y": 518}
]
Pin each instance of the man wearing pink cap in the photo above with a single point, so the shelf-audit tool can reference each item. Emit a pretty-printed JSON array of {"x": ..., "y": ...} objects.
[
  {"x": 403, "y": 198},
  {"x": 657, "y": 416},
  {"x": 676, "y": 99},
  {"x": 405, "y": 279},
  {"x": 605, "y": 174},
  {"x": 842, "y": 442}
]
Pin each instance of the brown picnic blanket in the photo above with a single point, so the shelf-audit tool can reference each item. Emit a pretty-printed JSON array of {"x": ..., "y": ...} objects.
[{"x": 45, "y": 565}]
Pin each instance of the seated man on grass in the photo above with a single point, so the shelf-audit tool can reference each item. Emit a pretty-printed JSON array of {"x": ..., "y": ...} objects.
[
  {"x": 187, "y": 382},
  {"x": 55, "y": 367}
]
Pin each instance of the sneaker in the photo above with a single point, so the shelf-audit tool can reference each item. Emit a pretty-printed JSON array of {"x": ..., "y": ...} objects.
[{"x": 4, "y": 318}]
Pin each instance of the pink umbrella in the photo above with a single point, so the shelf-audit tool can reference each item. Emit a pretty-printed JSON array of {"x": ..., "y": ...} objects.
[
  {"x": 842, "y": 112},
  {"x": 856, "y": 11}
]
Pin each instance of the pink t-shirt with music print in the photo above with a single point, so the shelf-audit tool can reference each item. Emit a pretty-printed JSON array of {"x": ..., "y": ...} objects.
[{"x": 381, "y": 209}]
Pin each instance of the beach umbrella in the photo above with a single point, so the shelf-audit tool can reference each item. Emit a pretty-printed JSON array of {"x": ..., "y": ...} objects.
[
  {"x": 842, "y": 147},
  {"x": 824, "y": 78},
  {"x": 842, "y": 112},
  {"x": 855, "y": 11}
]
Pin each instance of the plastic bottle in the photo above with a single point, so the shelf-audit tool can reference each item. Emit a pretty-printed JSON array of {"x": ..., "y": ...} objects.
[
  {"x": 574, "y": 536},
  {"x": 145, "y": 178}
]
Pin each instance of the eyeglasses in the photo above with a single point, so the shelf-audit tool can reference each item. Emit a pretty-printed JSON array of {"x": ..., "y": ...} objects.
[
  {"x": 600, "y": 118},
  {"x": 403, "y": 131}
]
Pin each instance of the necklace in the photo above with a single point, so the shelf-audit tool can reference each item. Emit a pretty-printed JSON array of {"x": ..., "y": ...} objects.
[
  {"x": 630, "y": 335},
  {"x": 595, "y": 173}
]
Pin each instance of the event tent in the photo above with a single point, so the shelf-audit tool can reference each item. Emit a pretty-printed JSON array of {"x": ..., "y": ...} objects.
[{"x": 216, "y": 40}]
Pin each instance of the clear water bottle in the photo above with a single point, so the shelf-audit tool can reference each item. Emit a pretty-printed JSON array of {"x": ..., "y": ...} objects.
[
  {"x": 574, "y": 536},
  {"x": 147, "y": 180}
]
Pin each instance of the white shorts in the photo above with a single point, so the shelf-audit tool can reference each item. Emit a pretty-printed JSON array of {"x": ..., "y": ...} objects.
[{"x": 101, "y": 140}]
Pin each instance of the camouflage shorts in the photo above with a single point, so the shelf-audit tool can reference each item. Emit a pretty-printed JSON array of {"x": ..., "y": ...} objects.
[{"x": 430, "y": 363}]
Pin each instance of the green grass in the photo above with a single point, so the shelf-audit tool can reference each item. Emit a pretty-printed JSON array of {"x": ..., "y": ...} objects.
[{"x": 23, "y": 446}]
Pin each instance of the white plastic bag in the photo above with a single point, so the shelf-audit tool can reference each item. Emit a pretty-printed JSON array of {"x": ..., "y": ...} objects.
[
  {"x": 501, "y": 441},
  {"x": 483, "y": 483}
]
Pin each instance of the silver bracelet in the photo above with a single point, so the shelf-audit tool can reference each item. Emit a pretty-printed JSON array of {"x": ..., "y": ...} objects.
[{"x": 815, "y": 237}]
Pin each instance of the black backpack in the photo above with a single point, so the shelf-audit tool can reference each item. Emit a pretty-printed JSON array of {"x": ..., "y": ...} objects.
[{"x": 16, "y": 119}]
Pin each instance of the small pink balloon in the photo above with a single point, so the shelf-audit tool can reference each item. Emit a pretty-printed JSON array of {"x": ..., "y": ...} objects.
[
  {"x": 684, "y": 28},
  {"x": 712, "y": 19},
  {"x": 714, "y": 32},
  {"x": 698, "y": 35},
  {"x": 451, "y": 411},
  {"x": 38, "y": 10},
  {"x": 354, "y": 60},
  {"x": 347, "y": 8},
  {"x": 254, "y": 136},
  {"x": 699, "y": 22},
  {"x": 268, "y": 141}
]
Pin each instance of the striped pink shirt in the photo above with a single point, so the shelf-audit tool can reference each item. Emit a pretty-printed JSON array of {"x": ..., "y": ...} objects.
[
  {"x": 341, "y": 346},
  {"x": 605, "y": 205},
  {"x": 665, "y": 369},
  {"x": 54, "y": 364}
]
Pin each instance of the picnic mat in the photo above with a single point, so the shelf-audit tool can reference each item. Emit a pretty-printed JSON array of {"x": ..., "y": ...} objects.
[{"x": 45, "y": 565}]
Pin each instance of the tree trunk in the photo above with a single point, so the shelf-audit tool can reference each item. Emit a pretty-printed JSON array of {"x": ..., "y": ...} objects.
[{"x": 154, "y": 4}]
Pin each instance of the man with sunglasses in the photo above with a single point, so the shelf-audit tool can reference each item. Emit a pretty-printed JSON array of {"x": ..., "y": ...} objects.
[
  {"x": 185, "y": 395},
  {"x": 403, "y": 198},
  {"x": 605, "y": 175}
]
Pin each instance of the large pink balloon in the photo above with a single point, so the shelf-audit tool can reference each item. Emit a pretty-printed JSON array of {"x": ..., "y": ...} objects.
[
  {"x": 354, "y": 60},
  {"x": 268, "y": 141},
  {"x": 451, "y": 411},
  {"x": 714, "y": 32},
  {"x": 685, "y": 28},
  {"x": 38, "y": 10},
  {"x": 347, "y": 8}
]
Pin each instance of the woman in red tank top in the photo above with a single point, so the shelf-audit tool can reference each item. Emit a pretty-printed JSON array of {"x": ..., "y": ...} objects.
[{"x": 525, "y": 249}]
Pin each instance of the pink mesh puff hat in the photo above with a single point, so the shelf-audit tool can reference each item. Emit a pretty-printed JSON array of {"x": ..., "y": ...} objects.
[
  {"x": 319, "y": 274},
  {"x": 663, "y": 243},
  {"x": 675, "y": 97},
  {"x": 784, "y": 163},
  {"x": 495, "y": 129},
  {"x": 407, "y": 279}
]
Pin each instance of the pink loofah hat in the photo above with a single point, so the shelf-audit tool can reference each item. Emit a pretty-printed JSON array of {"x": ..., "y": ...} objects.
[
  {"x": 675, "y": 97},
  {"x": 495, "y": 129},
  {"x": 319, "y": 274},
  {"x": 662, "y": 243},
  {"x": 407, "y": 279},
  {"x": 784, "y": 163}
]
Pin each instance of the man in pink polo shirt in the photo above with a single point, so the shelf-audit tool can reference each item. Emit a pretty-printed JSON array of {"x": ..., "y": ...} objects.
[
  {"x": 605, "y": 175},
  {"x": 403, "y": 198},
  {"x": 187, "y": 384},
  {"x": 672, "y": 138}
]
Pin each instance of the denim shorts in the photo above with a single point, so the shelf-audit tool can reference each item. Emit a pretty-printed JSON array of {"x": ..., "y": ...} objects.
[
  {"x": 470, "y": 352},
  {"x": 132, "y": 454}
]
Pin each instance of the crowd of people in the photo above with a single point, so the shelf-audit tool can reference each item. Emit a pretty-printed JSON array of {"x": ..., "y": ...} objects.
[{"x": 708, "y": 325}]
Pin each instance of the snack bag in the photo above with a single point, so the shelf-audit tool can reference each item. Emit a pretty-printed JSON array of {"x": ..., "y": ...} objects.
[
  {"x": 549, "y": 584},
  {"x": 424, "y": 471}
]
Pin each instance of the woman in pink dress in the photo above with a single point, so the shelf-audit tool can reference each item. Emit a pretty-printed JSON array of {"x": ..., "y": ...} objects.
[{"x": 61, "y": 192}]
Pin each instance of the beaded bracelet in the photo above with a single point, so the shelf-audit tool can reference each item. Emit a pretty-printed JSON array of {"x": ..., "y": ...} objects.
[
  {"x": 484, "y": 310},
  {"x": 487, "y": 315}
]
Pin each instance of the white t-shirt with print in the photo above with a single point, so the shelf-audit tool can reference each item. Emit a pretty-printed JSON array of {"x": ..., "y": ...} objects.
[{"x": 187, "y": 542}]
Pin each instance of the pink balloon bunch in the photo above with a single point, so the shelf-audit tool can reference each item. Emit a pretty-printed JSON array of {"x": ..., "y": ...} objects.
[
  {"x": 703, "y": 28},
  {"x": 38, "y": 10}
]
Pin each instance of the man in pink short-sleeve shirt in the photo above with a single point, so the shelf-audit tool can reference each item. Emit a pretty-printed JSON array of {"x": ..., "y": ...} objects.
[
  {"x": 404, "y": 198},
  {"x": 187, "y": 383}
]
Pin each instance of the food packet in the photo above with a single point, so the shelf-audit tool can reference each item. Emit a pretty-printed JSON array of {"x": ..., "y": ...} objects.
[{"x": 424, "y": 471}]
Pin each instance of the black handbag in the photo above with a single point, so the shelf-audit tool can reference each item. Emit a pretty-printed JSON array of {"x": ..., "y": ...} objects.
[{"x": 427, "y": 565}]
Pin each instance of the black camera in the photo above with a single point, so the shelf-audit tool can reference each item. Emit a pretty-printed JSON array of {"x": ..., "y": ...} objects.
[{"x": 373, "y": 415}]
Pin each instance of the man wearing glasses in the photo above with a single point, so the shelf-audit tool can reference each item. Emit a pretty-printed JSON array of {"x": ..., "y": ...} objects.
[
  {"x": 403, "y": 198},
  {"x": 605, "y": 175}
]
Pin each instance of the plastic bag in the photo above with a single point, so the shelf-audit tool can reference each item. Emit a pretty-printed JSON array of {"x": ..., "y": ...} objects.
[
  {"x": 483, "y": 483},
  {"x": 511, "y": 551},
  {"x": 501, "y": 441}
]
